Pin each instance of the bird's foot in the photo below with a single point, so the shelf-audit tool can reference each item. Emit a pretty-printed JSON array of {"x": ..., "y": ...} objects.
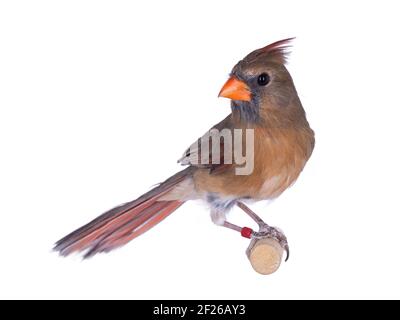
[
  {"x": 264, "y": 232},
  {"x": 267, "y": 231}
]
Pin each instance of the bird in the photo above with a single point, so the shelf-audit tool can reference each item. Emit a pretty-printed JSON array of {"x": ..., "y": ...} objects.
[{"x": 265, "y": 104}]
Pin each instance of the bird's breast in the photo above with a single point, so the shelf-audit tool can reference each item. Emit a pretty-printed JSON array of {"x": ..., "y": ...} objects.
[{"x": 280, "y": 158}]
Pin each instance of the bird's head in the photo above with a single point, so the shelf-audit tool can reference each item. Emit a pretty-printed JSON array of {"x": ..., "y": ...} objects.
[{"x": 260, "y": 86}]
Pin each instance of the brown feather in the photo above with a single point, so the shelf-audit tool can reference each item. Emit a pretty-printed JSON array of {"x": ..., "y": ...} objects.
[{"x": 277, "y": 51}]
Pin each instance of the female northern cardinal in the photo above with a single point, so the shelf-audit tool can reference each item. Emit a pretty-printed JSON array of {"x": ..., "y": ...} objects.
[{"x": 265, "y": 101}]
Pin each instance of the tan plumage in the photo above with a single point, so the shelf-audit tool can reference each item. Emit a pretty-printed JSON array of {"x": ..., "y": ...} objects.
[{"x": 265, "y": 100}]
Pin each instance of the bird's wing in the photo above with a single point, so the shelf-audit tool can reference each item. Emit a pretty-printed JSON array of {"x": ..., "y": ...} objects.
[{"x": 212, "y": 149}]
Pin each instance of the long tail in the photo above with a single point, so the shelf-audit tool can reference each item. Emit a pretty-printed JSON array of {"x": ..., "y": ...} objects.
[{"x": 118, "y": 226}]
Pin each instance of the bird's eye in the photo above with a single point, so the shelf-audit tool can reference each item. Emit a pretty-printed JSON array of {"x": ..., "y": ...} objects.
[{"x": 263, "y": 79}]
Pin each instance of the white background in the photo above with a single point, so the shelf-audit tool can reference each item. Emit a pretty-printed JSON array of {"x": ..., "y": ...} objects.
[{"x": 98, "y": 99}]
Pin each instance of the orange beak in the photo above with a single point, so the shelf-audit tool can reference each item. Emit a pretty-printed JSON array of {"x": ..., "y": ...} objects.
[{"x": 236, "y": 90}]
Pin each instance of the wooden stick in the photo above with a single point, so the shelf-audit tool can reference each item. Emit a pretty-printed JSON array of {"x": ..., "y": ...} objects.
[{"x": 265, "y": 255}]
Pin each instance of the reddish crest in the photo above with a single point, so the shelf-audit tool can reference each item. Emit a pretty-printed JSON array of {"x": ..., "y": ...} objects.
[{"x": 276, "y": 51}]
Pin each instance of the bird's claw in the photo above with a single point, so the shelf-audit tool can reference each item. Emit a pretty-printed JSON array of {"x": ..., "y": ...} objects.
[{"x": 287, "y": 252}]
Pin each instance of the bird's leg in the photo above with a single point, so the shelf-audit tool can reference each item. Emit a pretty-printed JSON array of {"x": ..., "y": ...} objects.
[
  {"x": 219, "y": 218},
  {"x": 265, "y": 231},
  {"x": 232, "y": 226},
  {"x": 251, "y": 213}
]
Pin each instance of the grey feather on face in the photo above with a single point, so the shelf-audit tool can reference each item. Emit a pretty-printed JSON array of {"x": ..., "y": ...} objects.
[{"x": 248, "y": 111}]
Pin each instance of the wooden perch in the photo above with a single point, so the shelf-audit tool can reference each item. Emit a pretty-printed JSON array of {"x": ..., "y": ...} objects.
[
  {"x": 266, "y": 246},
  {"x": 265, "y": 255}
]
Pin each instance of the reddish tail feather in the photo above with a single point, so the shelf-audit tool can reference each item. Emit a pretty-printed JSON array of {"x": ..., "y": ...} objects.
[{"x": 118, "y": 226}]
